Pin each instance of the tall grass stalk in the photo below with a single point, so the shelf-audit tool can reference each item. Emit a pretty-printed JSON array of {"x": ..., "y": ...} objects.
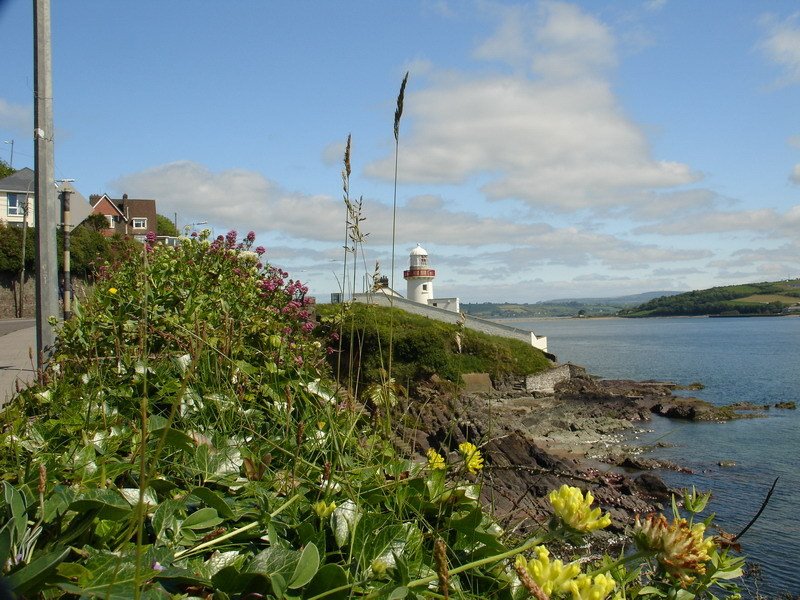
[{"x": 398, "y": 113}]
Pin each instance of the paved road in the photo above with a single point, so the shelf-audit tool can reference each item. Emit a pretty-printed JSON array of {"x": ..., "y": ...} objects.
[{"x": 17, "y": 340}]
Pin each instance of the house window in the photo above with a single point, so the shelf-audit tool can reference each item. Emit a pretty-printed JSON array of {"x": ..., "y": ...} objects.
[
  {"x": 139, "y": 223},
  {"x": 111, "y": 220},
  {"x": 16, "y": 204}
]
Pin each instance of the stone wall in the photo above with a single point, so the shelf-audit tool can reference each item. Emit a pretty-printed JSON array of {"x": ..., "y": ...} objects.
[
  {"x": 546, "y": 382},
  {"x": 9, "y": 292}
]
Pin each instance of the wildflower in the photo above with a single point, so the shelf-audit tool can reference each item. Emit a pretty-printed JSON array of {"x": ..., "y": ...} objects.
[
  {"x": 150, "y": 238},
  {"x": 575, "y": 511},
  {"x": 112, "y": 291},
  {"x": 435, "y": 460},
  {"x": 472, "y": 457},
  {"x": 586, "y": 587},
  {"x": 323, "y": 509},
  {"x": 680, "y": 548},
  {"x": 260, "y": 250},
  {"x": 553, "y": 577}
]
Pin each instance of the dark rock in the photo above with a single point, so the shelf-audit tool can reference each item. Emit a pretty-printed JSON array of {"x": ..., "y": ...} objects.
[{"x": 652, "y": 487}]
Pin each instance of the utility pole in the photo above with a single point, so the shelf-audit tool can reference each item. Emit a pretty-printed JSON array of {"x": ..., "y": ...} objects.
[{"x": 46, "y": 209}]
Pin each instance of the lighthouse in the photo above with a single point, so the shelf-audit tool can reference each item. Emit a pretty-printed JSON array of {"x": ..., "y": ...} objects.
[{"x": 419, "y": 277}]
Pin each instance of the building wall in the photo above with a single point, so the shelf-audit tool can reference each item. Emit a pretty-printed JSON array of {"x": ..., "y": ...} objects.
[
  {"x": 419, "y": 289},
  {"x": 441, "y": 314},
  {"x": 16, "y": 219},
  {"x": 451, "y": 304}
]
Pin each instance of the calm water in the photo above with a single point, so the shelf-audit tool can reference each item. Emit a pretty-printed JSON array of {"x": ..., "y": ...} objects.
[{"x": 745, "y": 359}]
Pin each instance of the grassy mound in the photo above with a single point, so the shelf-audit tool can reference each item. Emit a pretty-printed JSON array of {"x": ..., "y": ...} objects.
[{"x": 421, "y": 347}]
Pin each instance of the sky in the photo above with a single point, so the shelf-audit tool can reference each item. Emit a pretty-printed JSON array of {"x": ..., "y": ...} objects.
[{"x": 546, "y": 149}]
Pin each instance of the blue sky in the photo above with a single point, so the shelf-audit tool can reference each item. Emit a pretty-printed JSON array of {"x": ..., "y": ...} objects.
[{"x": 547, "y": 149}]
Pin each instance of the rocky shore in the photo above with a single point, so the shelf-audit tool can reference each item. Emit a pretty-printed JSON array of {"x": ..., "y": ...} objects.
[{"x": 535, "y": 441}]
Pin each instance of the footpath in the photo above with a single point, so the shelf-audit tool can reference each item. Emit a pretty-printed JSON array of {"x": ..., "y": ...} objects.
[{"x": 17, "y": 340}]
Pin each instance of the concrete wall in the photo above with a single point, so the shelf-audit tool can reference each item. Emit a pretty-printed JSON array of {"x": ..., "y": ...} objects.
[{"x": 440, "y": 314}]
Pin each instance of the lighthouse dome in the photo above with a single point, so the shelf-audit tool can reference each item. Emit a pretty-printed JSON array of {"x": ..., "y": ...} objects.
[{"x": 419, "y": 251}]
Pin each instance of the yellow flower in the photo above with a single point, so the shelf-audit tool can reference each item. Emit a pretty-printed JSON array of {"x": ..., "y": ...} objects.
[
  {"x": 575, "y": 511},
  {"x": 472, "y": 457},
  {"x": 586, "y": 587},
  {"x": 680, "y": 548},
  {"x": 323, "y": 509},
  {"x": 435, "y": 460},
  {"x": 553, "y": 577},
  {"x": 112, "y": 291}
]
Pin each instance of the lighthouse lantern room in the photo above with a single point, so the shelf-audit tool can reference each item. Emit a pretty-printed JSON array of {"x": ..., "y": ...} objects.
[{"x": 419, "y": 277}]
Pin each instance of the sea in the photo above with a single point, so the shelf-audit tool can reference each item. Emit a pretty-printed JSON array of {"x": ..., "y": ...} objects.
[{"x": 754, "y": 359}]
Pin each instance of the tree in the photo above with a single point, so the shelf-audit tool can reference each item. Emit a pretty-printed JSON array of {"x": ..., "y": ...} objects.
[
  {"x": 6, "y": 169},
  {"x": 165, "y": 226}
]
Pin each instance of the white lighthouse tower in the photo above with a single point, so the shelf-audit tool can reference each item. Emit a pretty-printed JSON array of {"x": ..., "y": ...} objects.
[{"x": 419, "y": 277}]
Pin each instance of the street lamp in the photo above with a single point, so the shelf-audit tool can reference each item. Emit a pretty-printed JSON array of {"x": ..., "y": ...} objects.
[{"x": 11, "y": 163}]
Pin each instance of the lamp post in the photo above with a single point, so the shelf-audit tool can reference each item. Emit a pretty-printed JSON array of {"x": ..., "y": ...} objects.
[
  {"x": 11, "y": 163},
  {"x": 66, "y": 191}
]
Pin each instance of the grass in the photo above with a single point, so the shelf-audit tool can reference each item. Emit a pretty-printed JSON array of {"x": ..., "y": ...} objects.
[{"x": 424, "y": 347}]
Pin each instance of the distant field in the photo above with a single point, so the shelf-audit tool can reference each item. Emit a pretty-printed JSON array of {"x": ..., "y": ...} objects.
[{"x": 766, "y": 298}]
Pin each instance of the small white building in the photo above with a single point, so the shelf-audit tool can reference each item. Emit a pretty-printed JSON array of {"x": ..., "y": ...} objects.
[{"x": 419, "y": 282}]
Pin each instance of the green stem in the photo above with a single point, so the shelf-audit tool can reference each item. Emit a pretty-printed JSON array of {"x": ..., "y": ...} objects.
[
  {"x": 237, "y": 531},
  {"x": 622, "y": 561},
  {"x": 537, "y": 541}
]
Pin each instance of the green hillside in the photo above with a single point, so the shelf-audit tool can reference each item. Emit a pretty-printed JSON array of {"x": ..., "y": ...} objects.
[
  {"x": 564, "y": 307},
  {"x": 751, "y": 299}
]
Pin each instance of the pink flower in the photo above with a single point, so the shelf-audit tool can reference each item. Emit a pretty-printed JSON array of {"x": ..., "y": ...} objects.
[{"x": 260, "y": 250}]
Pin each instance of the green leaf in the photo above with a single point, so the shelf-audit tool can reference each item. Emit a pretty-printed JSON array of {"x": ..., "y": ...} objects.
[
  {"x": 274, "y": 560},
  {"x": 17, "y": 503},
  {"x": 278, "y": 585},
  {"x": 58, "y": 502},
  {"x": 306, "y": 568},
  {"x": 214, "y": 500},
  {"x": 329, "y": 577},
  {"x": 398, "y": 593},
  {"x": 205, "y": 518},
  {"x": 5, "y": 543},
  {"x": 109, "y": 503},
  {"x": 31, "y": 577}
]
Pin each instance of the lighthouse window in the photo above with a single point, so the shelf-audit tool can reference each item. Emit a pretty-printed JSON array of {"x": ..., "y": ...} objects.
[{"x": 424, "y": 287}]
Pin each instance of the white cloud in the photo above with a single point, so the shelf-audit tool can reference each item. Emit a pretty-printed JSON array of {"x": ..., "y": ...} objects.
[
  {"x": 795, "y": 175},
  {"x": 762, "y": 221},
  {"x": 659, "y": 206},
  {"x": 782, "y": 45},
  {"x": 234, "y": 198},
  {"x": 17, "y": 118},
  {"x": 559, "y": 141}
]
